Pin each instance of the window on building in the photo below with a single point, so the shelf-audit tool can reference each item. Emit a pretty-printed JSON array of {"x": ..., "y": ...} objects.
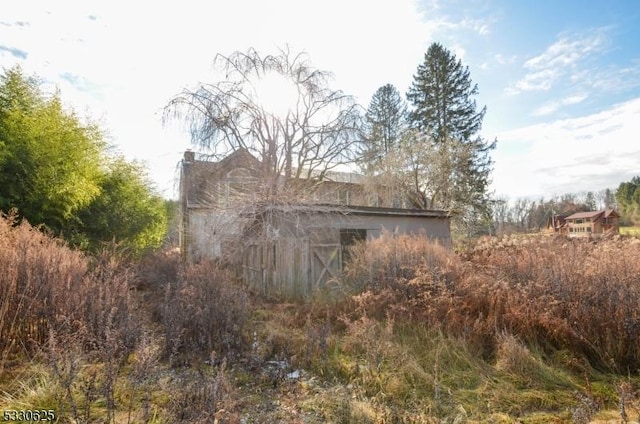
[
  {"x": 344, "y": 197},
  {"x": 239, "y": 182}
]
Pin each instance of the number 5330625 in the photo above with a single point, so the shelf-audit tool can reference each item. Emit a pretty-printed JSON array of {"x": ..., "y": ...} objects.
[{"x": 28, "y": 415}]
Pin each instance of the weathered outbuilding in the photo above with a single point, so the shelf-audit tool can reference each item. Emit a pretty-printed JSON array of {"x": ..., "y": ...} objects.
[
  {"x": 290, "y": 247},
  {"x": 296, "y": 249}
]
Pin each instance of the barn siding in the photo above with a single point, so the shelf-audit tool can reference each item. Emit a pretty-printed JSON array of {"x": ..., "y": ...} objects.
[
  {"x": 280, "y": 267},
  {"x": 294, "y": 265}
]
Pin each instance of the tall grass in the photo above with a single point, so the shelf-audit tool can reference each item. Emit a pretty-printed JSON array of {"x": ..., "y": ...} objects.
[
  {"x": 575, "y": 295},
  {"x": 68, "y": 310},
  {"x": 203, "y": 312},
  {"x": 630, "y": 231},
  {"x": 35, "y": 273},
  {"x": 47, "y": 288},
  {"x": 549, "y": 292},
  {"x": 87, "y": 323}
]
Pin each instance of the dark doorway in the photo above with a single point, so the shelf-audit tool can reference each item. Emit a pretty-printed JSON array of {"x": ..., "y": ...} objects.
[{"x": 349, "y": 237}]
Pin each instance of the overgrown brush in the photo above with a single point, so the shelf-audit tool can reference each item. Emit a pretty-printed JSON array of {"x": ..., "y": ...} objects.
[
  {"x": 549, "y": 292},
  {"x": 72, "y": 311},
  {"x": 204, "y": 397},
  {"x": 35, "y": 271},
  {"x": 204, "y": 311},
  {"x": 577, "y": 295},
  {"x": 398, "y": 275},
  {"x": 157, "y": 269},
  {"x": 390, "y": 261},
  {"x": 48, "y": 289}
]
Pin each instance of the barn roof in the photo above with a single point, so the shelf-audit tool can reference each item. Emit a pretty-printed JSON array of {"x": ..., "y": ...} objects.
[
  {"x": 593, "y": 214},
  {"x": 348, "y": 210},
  {"x": 580, "y": 215},
  {"x": 611, "y": 212},
  {"x": 365, "y": 210},
  {"x": 341, "y": 177}
]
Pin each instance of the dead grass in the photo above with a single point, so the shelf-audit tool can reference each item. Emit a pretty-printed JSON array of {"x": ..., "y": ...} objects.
[
  {"x": 48, "y": 290},
  {"x": 516, "y": 329},
  {"x": 553, "y": 293},
  {"x": 203, "y": 313},
  {"x": 516, "y": 326},
  {"x": 76, "y": 333}
]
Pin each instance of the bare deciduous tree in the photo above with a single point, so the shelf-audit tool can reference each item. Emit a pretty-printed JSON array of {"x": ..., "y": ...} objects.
[
  {"x": 312, "y": 134},
  {"x": 428, "y": 174}
]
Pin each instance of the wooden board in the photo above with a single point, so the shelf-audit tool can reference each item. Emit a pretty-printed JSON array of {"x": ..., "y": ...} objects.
[{"x": 326, "y": 263}]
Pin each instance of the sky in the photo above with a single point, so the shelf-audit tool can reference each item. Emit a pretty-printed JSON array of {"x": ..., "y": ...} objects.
[{"x": 561, "y": 80}]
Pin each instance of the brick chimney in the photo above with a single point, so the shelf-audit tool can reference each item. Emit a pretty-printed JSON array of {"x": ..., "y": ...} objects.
[{"x": 189, "y": 156}]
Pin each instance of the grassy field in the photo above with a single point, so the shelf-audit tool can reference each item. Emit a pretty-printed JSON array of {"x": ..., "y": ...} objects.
[
  {"x": 630, "y": 231},
  {"x": 508, "y": 330}
]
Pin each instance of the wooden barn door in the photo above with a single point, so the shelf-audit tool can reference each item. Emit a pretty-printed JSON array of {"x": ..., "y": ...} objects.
[
  {"x": 253, "y": 266},
  {"x": 326, "y": 263}
]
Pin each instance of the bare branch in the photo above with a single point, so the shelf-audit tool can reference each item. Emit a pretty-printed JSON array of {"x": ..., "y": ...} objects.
[{"x": 316, "y": 134}]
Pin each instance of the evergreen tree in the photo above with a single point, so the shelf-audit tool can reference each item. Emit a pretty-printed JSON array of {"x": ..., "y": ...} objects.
[
  {"x": 55, "y": 171},
  {"x": 608, "y": 199},
  {"x": 126, "y": 211},
  {"x": 442, "y": 97},
  {"x": 49, "y": 159},
  {"x": 444, "y": 113},
  {"x": 628, "y": 200},
  {"x": 384, "y": 125},
  {"x": 590, "y": 201}
]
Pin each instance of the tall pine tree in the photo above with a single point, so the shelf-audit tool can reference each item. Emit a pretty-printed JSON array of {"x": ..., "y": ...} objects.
[
  {"x": 384, "y": 129},
  {"x": 384, "y": 125},
  {"x": 445, "y": 115},
  {"x": 442, "y": 97}
]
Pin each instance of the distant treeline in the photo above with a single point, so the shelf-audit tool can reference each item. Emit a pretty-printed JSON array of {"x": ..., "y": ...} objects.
[{"x": 524, "y": 214}]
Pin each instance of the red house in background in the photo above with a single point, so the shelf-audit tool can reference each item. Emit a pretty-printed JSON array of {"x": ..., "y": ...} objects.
[{"x": 592, "y": 224}]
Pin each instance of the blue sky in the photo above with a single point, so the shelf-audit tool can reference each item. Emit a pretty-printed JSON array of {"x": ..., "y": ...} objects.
[{"x": 561, "y": 80}]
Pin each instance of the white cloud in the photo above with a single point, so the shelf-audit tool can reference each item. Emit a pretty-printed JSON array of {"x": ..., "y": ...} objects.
[
  {"x": 498, "y": 59},
  {"x": 459, "y": 52},
  {"x": 553, "y": 106},
  {"x": 614, "y": 79},
  {"x": 547, "y": 109},
  {"x": 572, "y": 155},
  {"x": 567, "y": 51},
  {"x": 447, "y": 25},
  {"x": 559, "y": 59},
  {"x": 535, "y": 81},
  {"x": 502, "y": 60},
  {"x": 575, "y": 99},
  {"x": 478, "y": 26}
]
